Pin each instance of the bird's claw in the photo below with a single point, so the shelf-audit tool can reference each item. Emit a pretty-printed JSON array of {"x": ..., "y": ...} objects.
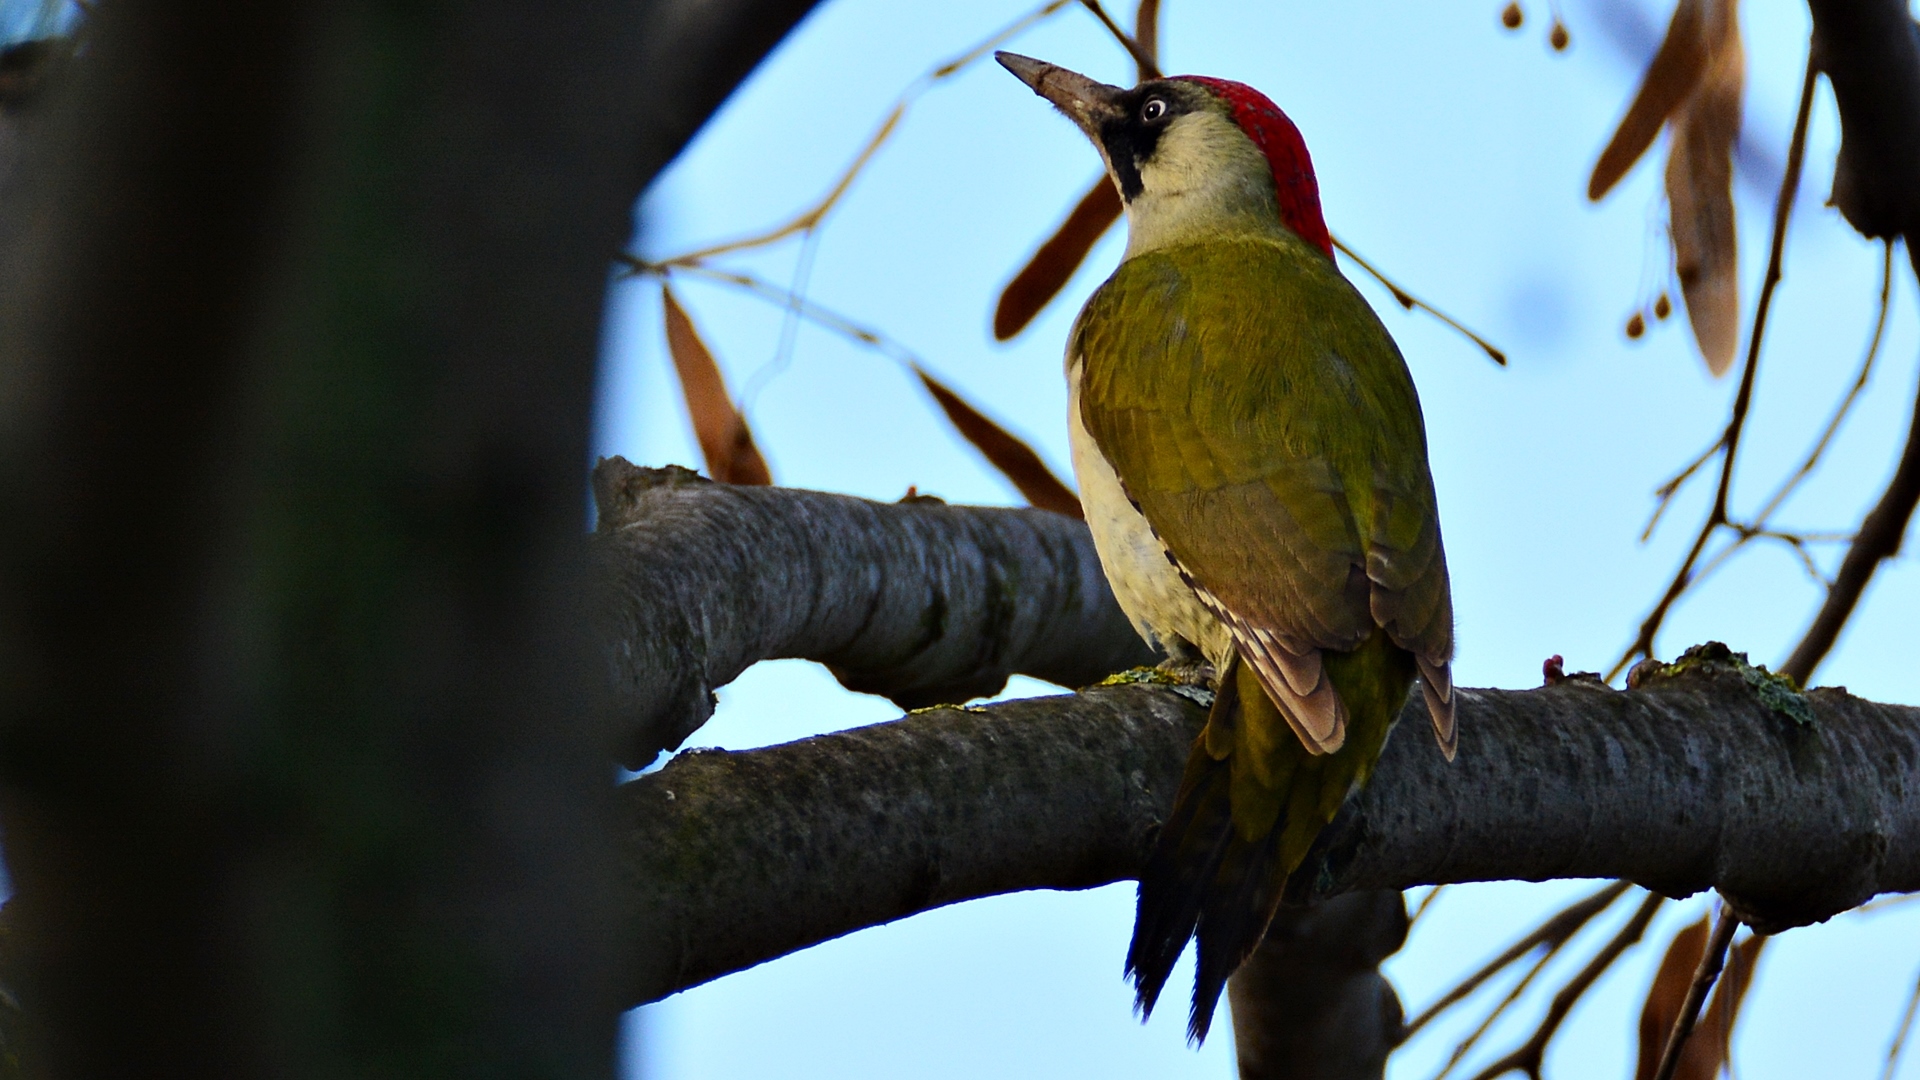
[{"x": 1185, "y": 672}]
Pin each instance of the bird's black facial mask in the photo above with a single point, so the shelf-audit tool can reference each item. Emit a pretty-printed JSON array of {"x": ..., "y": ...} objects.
[
  {"x": 1131, "y": 134},
  {"x": 1127, "y": 124}
]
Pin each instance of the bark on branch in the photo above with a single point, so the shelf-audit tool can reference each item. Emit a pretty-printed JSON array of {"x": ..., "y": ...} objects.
[
  {"x": 922, "y": 602},
  {"x": 1701, "y": 779},
  {"x": 1310, "y": 1003}
]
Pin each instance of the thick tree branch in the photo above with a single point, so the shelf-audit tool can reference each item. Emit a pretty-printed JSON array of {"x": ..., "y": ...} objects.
[
  {"x": 300, "y": 763},
  {"x": 1310, "y": 1003},
  {"x": 734, "y": 858},
  {"x": 1702, "y": 778},
  {"x": 920, "y": 601},
  {"x": 1698, "y": 780}
]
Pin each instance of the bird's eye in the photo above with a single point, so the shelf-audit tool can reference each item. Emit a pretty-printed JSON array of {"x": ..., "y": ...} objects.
[{"x": 1153, "y": 110}]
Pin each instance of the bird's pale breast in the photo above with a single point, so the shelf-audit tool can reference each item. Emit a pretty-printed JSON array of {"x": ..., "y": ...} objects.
[{"x": 1161, "y": 605}]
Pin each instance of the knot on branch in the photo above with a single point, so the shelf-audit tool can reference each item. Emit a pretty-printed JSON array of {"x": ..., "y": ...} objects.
[
  {"x": 618, "y": 485},
  {"x": 1779, "y": 693}
]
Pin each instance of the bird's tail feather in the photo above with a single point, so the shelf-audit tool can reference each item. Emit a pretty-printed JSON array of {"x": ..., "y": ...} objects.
[
  {"x": 1204, "y": 879},
  {"x": 1173, "y": 884},
  {"x": 1233, "y": 920}
]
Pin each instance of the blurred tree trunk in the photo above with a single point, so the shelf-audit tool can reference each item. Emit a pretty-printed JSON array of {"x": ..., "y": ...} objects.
[{"x": 304, "y": 766}]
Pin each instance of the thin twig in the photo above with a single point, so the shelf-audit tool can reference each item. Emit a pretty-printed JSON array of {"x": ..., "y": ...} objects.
[
  {"x": 1467, "y": 1044},
  {"x": 822, "y": 317},
  {"x": 1880, "y": 535},
  {"x": 1527, "y": 1057},
  {"x": 1410, "y": 301},
  {"x": 1730, "y": 442},
  {"x": 1425, "y": 903},
  {"x": 811, "y": 217},
  {"x": 1798, "y": 545},
  {"x": 997, "y": 38},
  {"x": 1900, "y": 1037},
  {"x": 790, "y": 320},
  {"x": 1704, "y": 976},
  {"x": 1795, "y": 542},
  {"x": 1664, "y": 494},
  {"x": 1812, "y": 460},
  {"x": 1142, "y": 57},
  {"x": 1554, "y": 932},
  {"x": 1758, "y": 529}
]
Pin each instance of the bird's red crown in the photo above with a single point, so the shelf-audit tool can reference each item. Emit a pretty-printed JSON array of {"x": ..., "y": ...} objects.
[{"x": 1286, "y": 151}]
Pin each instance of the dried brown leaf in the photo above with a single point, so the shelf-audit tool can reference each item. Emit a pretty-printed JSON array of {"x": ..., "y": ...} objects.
[
  {"x": 1671, "y": 77},
  {"x": 1015, "y": 459},
  {"x": 1706, "y": 1049},
  {"x": 1047, "y": 272},
  {"x": 1700, "y": 195},
  {"x": 724, "y": 439},
  {"x": 1668, "y": 994}
]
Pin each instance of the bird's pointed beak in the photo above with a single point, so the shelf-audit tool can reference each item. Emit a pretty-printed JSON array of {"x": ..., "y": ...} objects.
[{"x": 1086, "y": 102}]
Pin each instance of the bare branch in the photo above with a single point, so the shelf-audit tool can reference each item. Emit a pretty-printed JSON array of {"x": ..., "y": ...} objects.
[
  {"x": 920, "y": 601},
  {"x": 1899, "y": 1042},
  {"x": 810, "y": 218},
  {"x": 1527, "y": 1057},
  {"x": 735, "y": 858},
  {"x": 1467, "y": 1044},
  {"x": 1694, "y": 782},
  {"x": 1711, "y": 960},
  {"x": 1870, "y": 51},
  {"x": 1410, "y": 301},
  {"x": 1554, "y": 933},
  {"x": 1143, "y": 57},
  {"x": 1425, "y": 903}
]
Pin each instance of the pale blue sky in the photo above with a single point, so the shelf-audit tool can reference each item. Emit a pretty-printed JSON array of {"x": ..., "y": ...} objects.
[{"x": 1454, "y": 155}]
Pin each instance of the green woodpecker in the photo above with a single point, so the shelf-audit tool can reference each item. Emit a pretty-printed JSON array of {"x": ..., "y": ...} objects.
[{"x": 1253, "y": 463}]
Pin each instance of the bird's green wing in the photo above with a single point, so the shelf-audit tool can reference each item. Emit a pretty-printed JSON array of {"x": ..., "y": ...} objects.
[{"x": 1264, "y": 423}]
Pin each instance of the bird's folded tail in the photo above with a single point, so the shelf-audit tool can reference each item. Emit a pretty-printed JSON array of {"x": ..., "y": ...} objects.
[{"x": 1203, "y": 878}]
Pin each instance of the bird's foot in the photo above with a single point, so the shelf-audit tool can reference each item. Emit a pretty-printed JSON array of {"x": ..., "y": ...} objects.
[{"x": 1186, "y": 671}]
